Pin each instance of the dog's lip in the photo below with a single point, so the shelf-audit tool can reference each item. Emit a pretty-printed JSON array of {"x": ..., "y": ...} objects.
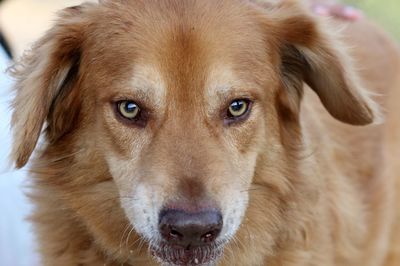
[{"x": 179, "y": 256}]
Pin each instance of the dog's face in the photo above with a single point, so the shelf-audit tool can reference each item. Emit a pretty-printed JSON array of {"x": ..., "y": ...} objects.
[
  {"x": 181, "y": 127},
  {"x": 182, "y": 104}
]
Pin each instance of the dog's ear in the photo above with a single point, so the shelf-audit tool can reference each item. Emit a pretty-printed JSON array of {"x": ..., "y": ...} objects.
[
  {"x": 45, "y": 76},
  {"x": 311, "y": 53}
]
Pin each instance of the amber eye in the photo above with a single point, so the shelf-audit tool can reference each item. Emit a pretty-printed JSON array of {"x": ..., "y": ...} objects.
[
  {"x": 129, "y": 109},
  {"x": 238, "y": 108}
]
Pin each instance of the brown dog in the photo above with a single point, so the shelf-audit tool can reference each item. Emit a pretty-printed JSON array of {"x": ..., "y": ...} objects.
[{"x": 176, "y": 133}]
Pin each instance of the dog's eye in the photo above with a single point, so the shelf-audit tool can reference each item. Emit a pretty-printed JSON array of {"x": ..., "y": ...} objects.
[
  {"x": 237, "y": 111},
  {"x": 129, "y": 109},
  {"x": 238, "y": 108}
]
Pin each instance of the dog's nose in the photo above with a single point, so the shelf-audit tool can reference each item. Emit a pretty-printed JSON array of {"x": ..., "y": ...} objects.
[{"x": 190, "y": 229}]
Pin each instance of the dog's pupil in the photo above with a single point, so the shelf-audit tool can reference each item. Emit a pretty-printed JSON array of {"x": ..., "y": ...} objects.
[
  {"x": 130, "y": 107},
  {"x": 237, "y": 106}
]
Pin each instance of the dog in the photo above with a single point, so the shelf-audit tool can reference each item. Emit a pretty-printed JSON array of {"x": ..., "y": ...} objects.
[{"x": 231, "y": 132}]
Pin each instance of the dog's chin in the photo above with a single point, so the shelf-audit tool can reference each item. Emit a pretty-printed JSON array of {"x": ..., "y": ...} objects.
[{"x": 171, "y": 255}]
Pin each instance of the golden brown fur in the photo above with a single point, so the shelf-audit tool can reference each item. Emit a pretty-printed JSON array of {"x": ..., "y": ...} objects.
[{"x": 314, "y": 191}]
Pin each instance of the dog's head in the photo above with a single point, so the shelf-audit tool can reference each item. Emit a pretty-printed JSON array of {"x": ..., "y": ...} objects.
[{"x": 184, "y": 107}]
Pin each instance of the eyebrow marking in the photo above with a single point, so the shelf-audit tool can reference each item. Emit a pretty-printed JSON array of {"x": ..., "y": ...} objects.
[{"x": 148, "y": 82}]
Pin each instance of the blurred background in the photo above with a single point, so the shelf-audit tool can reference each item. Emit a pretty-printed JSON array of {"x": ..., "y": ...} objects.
[
  {"x": 21, "y": 23},
  {"x": 384, "y": 12}
]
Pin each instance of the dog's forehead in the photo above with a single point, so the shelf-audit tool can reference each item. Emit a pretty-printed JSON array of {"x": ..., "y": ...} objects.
[{"x": 182, "y": 44}]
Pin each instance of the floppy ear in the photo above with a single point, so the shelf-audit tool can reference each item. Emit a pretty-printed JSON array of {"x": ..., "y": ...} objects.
[
  {"x": 311, "y": 53},
  {"x": 44, "y": 77}
]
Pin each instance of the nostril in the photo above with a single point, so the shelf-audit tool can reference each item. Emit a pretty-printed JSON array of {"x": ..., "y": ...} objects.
[
  {"x": 169, "y": 233},
  {"x": 209, "y": 237},
  {"x": 175, "y": 234}
]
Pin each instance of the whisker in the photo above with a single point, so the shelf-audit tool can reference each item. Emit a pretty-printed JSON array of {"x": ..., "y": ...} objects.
[{"x": 122, "y": 237}]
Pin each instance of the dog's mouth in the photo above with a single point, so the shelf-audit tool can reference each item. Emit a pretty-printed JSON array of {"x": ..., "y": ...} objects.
[{"x": 173, "y": 255}]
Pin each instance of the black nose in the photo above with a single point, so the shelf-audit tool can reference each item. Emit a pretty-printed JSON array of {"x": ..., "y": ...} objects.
[{"x": 189, "y": 229}]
